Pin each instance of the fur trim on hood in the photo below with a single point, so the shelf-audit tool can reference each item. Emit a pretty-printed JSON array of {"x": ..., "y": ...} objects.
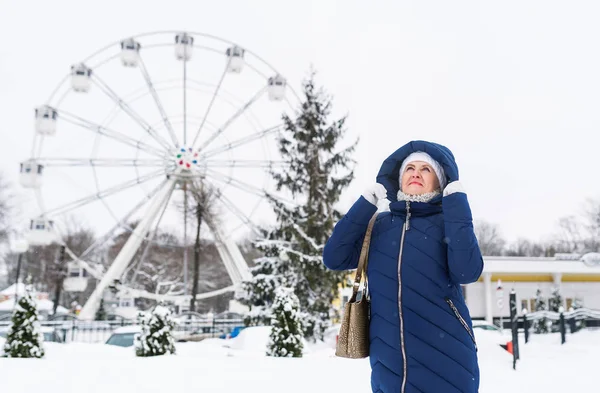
[{"x": 418, "y": 198}]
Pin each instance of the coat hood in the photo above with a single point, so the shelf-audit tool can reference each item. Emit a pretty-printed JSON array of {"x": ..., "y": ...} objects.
[{"x": 390, "y": 169}]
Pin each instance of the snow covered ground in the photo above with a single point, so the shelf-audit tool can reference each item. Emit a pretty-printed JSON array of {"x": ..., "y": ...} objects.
[{"x": 208, "y": 366}]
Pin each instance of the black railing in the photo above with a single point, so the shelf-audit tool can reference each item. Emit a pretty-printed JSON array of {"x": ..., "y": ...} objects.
[
  {"x": 574, "y": 320},
  {"x": 188, "y": 328},
  {"x": 546, "y": 322}
]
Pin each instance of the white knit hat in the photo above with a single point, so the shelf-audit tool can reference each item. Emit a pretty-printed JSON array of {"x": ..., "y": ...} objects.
[{"x": 422, "y": 156}]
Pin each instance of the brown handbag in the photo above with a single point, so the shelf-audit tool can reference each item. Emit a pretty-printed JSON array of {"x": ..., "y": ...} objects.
[{"x": 353, "y": 337}]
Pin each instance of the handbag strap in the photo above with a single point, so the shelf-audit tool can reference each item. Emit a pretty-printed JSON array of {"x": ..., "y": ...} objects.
[{"x": 363, "y": 259}]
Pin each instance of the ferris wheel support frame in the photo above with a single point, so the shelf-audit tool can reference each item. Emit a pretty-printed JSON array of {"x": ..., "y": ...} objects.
[
  {"x": 116, "y": 269},
  {"x": 230, "y": 254}
]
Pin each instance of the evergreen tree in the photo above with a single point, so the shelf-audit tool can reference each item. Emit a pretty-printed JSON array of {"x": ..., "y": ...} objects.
[
  {"x": 540, "y": 325},
  {"x": 555, "y": 300},
  {"x": 268, "y": 273},
  {"x": 318, "y": 172},
  {"x": 156, "y": 337},
  {"x": 101, "y": 313},
  {"x": 577, "y": 304},
  {"x": 24, "y": 339},
  {"x": 285, "y": 339},
  {"x": 554, "y": 303}
]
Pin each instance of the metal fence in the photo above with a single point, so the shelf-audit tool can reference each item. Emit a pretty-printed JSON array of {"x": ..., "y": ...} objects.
[
  {"x": 571, "y": 321},
  {"x": 546, "y": 321},
  {"x": 70, "y": 329}
]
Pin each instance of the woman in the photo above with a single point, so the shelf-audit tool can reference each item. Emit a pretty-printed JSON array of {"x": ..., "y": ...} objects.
[{"x": 421, "y": 251}]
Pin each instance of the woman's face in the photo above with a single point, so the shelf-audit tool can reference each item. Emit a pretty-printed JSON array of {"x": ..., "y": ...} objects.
[{"x": 419, "y": 178}]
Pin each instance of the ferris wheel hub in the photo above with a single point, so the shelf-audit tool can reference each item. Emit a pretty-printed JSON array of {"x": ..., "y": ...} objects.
[
  {"x": 186, "y": 159},
  {"x": 188, "y": 165}
]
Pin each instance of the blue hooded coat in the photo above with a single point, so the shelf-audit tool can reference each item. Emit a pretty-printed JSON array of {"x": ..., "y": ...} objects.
[{"x": 421, "y": 336}]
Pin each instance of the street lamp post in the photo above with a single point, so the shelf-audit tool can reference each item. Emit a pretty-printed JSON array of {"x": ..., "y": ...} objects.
[
  {"x": 21, "y": 246},
  {"x": 500, "y": 301}
]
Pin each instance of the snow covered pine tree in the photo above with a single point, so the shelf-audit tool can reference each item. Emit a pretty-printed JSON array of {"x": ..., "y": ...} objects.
[
  {"x": 540, "y": 325},
  {"x": 24, "y": 339},
  {"x": 285, "y": 339},
  {"x": 317, "y": 174},
  {"x": 577, "y": 304},
  {"x": 156, "y": 337},
  {"x": 269, "y": 272},
  {"x": 101, "y": 313},
  {"x": 554, "y": 303}
]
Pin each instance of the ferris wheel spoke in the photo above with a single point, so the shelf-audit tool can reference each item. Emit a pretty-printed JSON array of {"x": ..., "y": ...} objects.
[
  {"x": 185, "y": 245},
  {"x": 104, "y": 162},
  {"x": 122, "y": 222},
  {"x": 159, "y": 105},
  {"x": 243, "y": 186},
  {"x": 78, "y": 121},
  {"x": 129, "y": 111},
  {"x": 224, "y": 179},
  {"x": 240, "y": 142},
  {"x": 237, "y": 212},
  {"x": 214, "y": 96},
  {"x": 233, "y": 117},
  {"x": 102, "y": 194},
  {"x": 185, "y": 103},
  {"x": 245, "y": 164}
]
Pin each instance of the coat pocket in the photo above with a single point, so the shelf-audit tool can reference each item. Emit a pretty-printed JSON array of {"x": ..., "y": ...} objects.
[{"x": 461, "y": 320}]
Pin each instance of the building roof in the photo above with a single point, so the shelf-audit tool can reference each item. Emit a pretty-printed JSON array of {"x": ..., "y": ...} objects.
[
  {"x": 10, "y": 291},
  {"x": 531, "y": 265},
  {"x": 42, "y": 305}
]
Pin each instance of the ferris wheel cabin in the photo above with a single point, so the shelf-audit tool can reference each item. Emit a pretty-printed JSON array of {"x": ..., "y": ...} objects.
[
  {"x": 130, "y": 52},
  {"x": 45, "y": 120},
  {"x": 41, "y": 232},
  {"x": 81, "y": 77},
  {"x": 235, "y": 55},
  {"x": 184, "y": 45},
  {"x": 31, "y": 174},
  {"x": 277, "y": 85},
  {"x": 77, "y": 278}
]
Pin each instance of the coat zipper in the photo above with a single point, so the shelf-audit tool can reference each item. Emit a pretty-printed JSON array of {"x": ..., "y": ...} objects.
[
  {"x": 408, "y": 215},
  {"x": 405, "y": 227},
  {"x": 462, "y": 320}
]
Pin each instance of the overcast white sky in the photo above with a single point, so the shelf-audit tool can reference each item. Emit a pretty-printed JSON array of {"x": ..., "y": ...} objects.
[{"x": 511, "y": 87}]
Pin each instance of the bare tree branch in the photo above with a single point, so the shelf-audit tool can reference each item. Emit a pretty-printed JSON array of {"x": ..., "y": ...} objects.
[{"x": 490, "y": 240}]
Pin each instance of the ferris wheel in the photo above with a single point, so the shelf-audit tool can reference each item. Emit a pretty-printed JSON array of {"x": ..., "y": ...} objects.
[{"x": 140, "y": 128}]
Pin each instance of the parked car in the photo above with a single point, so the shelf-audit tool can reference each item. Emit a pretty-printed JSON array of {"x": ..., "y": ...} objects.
[
  {"x": 234, "y": 332},
  {"x": 52, "y": 335},
  {"x": 490, "y": 335},
  {"x": 484, "y": 325},
  {"x": 124, "y": 336},
  {"x": 195, "y": 336}
]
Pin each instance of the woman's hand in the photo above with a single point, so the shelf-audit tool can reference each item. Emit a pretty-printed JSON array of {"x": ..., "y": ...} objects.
[
  {"x": 375, "y": 193},
  {"x": 454, "y": 187}
]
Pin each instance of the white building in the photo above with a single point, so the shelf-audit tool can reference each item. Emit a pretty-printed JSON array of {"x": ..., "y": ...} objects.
[
  {"x": 121, "y": 304},
  {"x": 525, "y": 275},
  {"x": 44, "y": 305}
]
